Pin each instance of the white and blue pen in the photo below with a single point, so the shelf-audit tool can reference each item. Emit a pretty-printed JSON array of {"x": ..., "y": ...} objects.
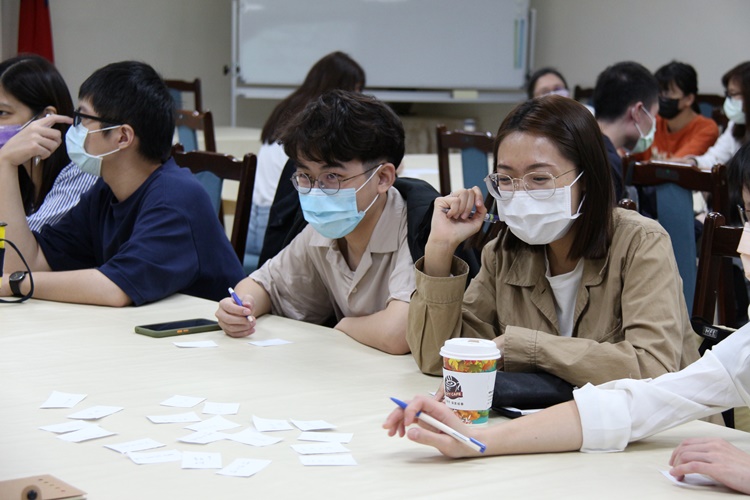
[
  {"x": 470, "y": 442},
  {"x": 488, "y": 217},
  {"x": 236, "y": 298}
]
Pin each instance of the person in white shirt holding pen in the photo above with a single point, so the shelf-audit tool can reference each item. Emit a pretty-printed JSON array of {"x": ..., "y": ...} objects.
[{"x": 607, "y": 417}]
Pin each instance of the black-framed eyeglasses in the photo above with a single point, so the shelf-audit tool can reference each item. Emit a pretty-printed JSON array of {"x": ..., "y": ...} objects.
[
  {"x": 733, "y": 95},
  {"x": 329, "y": 182},
  {"x": 539, "y": 185},
  {"x": 78, "y": 117}
]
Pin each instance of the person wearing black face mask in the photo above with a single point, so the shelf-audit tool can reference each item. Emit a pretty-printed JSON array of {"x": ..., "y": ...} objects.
[{"x": 680, "y": 128}]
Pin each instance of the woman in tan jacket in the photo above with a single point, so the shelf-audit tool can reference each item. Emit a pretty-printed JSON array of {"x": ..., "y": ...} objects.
[{"x": 572, "y": 286}]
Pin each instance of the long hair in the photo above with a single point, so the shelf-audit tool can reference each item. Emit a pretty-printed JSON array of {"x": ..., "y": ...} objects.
[
  {"x": 335, "y": 71},
  {"x": 36, "y": 83},
  {"x": 574, "y": 131},
  {"x": 741, "y": 74}
]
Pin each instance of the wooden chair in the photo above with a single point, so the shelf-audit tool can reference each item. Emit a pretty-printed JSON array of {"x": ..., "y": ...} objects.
[
  {"x": 475, "y": 149},
  {"x": 715, "y": 302},
  {"x": 675, "y": 183},
  {"x": 714, "y": 291},
  {"x": 583, "y": 94},
  {"x": 227, "y": 167},
  {"x": 177, "y": 87},
  {"x": 627, "y": 204},
  {"x": 189, "y": 123},
  {"x": 712, "y": 106}
]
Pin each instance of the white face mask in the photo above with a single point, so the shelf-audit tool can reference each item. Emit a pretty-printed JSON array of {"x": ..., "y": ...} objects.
[
  {"x": 645, "y": 141},
  {"x": 744, "y": 249},
  {"x": 539, "y": 222},
  {"x": 75, "y": 140},
  {"x": 733, "y": 110}
]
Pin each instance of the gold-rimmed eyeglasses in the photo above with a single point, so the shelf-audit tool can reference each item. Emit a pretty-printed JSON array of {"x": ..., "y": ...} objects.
[{"x": 539, "y": 185}]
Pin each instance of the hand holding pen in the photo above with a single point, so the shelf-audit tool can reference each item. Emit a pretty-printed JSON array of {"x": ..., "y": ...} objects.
[
  {"x": 39, "y": 139},
  {"x": 235, "y": 316},
  {"x": 437, "y": 427}
]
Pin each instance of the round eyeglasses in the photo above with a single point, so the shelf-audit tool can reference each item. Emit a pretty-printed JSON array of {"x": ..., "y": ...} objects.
[
  {"x": 329, "y": 182},
  {"x": 539, "y": 185}
]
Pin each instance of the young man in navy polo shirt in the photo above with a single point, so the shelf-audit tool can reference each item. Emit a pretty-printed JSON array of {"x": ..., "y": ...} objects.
[{"x": 144, "y": 231}]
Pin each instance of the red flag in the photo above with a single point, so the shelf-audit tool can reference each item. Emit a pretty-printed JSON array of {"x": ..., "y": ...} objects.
[{"x": 34, "y": 29}]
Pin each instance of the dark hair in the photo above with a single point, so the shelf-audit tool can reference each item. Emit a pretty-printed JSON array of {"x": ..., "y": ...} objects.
[
  {"x": 738, "y": 177},
  {"x": 36, "y": 83},
  {"x": 133, "y": 93},
  {"x": 575, "y": 133},
  {"x": 620, "y": 86},
  {"x": 341, "y": 126},
  {"x": 536, "y": 75},
  {"x": 741, "y": 73},
  {"x": 683, "y": 76},
  {"x": 334, "y": 71}
]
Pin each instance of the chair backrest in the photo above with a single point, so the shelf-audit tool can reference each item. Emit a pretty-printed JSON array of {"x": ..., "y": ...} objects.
[
  {"x": 177, "y": 87},
  {"x": 188, "y": 123},
  {"x": 627, "y": 204},
  {"x": 227, "y": 167},
  {"x": 712, "y": 106},
  {"x": 714, "y": 285},
  {"x": 675, "y": 183},
  {"x": 476, "y": 151},
  {"x": 583, "y": 94}
]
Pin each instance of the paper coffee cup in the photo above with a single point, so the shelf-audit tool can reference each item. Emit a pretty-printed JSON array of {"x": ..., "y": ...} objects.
[{"x": 469, "y": 368}]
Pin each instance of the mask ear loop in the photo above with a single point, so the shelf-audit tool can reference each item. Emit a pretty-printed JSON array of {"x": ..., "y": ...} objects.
[{"x": 26, "y": 297}]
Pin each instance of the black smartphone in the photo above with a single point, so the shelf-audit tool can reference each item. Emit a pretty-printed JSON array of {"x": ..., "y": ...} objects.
[{"x": 180, "y": 327}]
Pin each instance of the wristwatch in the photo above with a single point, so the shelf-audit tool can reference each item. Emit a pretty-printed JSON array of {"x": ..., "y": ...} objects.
[{"x": 15, "y": 281}]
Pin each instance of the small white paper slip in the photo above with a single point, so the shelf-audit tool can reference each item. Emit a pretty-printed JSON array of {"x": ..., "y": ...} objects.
[
  {"x": 269, "y": 342},
  {"x": 244, "y": 467},
  {"x": 197, "y": 343},
  {"x": 198, "y": 460},
  {"x": 696, "y": 481},
  {"x": 312, "y": 425},
  {"x": 66, "y": 426},
  {"x": 327, "y": 437},
  {"x": 138, "y": 445},
  {"x": 182, "y": 401},
  {"x": 338, "y": 459},
  {"x": 217, "y": 423},
  {"x": 88, "y": 432},
  {"x": 177, "y": 418},
  {"x": 203, "y": 437},
  {"x": 155, "y": 457},
  {"x": 253, "y": 438},
  {"x": 95, "y": 412},
  {"x": 320, "y": 448},
  {"x": 62, "y": 400},
  {"x": 268, "y": 424},
  {"x": 212, "y": 408}
]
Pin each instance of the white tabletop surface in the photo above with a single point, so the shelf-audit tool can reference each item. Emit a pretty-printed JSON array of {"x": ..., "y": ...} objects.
[{"x": 323, "y": 374}]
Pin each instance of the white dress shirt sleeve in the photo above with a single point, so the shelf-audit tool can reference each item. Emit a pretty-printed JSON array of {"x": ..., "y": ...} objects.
[{"x": 618, "y": 412}]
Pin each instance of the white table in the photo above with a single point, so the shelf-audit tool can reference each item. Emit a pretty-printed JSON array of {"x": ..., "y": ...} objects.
[{"x": 323, "y": 374}]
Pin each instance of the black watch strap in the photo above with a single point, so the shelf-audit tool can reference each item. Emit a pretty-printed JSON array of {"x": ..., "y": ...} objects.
[{"x": 15, "y": 282}]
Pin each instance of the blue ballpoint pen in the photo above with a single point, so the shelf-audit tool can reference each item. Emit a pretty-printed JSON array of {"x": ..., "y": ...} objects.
[
  {"x": 491, "y": 218},
  {"x": 470, "y": 442}
]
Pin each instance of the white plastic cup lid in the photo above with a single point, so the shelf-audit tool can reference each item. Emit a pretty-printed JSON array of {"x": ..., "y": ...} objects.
[{"x": 465, "y": 348}]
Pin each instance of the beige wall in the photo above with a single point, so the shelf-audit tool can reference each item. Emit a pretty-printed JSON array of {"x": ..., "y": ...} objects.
[{"x": 189, "y": 38}]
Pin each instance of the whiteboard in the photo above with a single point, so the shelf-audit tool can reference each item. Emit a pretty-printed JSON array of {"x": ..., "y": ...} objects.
[{"x": 401, "y": 44}]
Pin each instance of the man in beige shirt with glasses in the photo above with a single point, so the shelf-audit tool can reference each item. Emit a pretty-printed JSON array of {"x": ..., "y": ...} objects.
[{"x": 352, "y": 262}]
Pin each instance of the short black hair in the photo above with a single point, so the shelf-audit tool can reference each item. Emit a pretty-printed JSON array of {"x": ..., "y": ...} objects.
[
  {"x": 536, "y": 75},
  {"x": 342, "y": 126},
  {"x": 682, "y": 75},
  {"x": 133, "y": 93},
  {"x": 620, "y": 86}
]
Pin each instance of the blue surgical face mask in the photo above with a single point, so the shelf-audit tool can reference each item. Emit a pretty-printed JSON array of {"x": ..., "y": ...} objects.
[
  {"x": 645, "y": 141},
  {"x": 75, "y": 140},
  {"x": 733, "y": 110},
  {"x": 335, "y": 215}
]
